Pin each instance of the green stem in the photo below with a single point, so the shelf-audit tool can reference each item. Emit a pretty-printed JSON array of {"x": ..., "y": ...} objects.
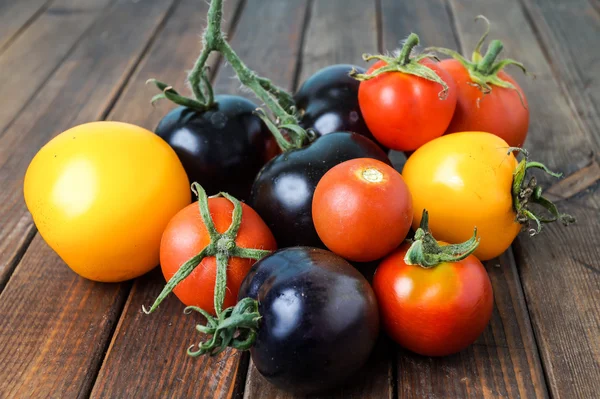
[
  {"x": 411, "y": 41},
  {"x": 490, "y": 56},
  {"x": 222, "y": 246},
  {"x": 404, "y": 63},
  {"x": 526, "y": 193},
  {"x": 426, "y": 252},
  {"x": 278, "y": 101}
]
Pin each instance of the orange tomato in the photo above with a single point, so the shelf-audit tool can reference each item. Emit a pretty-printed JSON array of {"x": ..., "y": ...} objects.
[
  {"x": 362, "y": 209},
  {"x": 186, "y": 236}
]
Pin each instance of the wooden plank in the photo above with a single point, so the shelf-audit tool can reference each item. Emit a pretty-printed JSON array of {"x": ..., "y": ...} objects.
[
  {"x": 504, "y": 361},
  {"x": 163, "y": 337},
  {"x": 559, "y": 269},
  {"x": 268, "y": 40},
  {"x": 347, "y": 32},
  {"x": 327, "y": 29},
  {"x": 35, "y": 54},
  {"x": 568, "y": 30},
  {"x": 54, "y": 325},
  {"x": 79, "y": 91},
  {"x": 16, "y": 16}
]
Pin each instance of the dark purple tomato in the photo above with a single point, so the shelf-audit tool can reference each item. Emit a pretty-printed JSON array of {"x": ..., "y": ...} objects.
[
  {"x": 283, "y": 190},
  {"x": 319, "y": 319},
  {"x": 328, "y": 102},
  {"x": 222, "y": 148}
]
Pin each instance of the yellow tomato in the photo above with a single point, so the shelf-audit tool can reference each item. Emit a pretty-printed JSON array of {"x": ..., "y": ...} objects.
[
  {"x": 101, "y": 195},
  {"x": 464, "y": 180}
]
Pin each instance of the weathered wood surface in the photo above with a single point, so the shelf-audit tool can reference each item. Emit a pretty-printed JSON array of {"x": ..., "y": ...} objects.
[
  {"x": 54, "y": 325},
  {"x": 504, "y": 361},
  {"x": 163, "y": 337},
  {"x": 558, "y": 269},
  {"x": 65, "y": 62}
]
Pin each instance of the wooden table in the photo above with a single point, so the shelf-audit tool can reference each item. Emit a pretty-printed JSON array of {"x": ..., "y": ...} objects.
[{"x": 65, "y": 62}]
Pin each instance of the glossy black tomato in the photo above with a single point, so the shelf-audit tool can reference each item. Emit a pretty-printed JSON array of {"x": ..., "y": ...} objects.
[
  {"x": 328, "y": 102},
  {"x": 222, "y": 148},
  {"x": 283, "y": 190},
  {"x": 319, "y": 318}
]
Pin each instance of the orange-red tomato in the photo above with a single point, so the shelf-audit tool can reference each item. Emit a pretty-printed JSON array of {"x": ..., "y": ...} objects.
[
  {"x": 362, "y": 209},
  {"x": 404, "y": 111},
  {"x": 436, "y": 311},
  {"x": 500, "y": 111},
  {"x": 186, "y": 235}
]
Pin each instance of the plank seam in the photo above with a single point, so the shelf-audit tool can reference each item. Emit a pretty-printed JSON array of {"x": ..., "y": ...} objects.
[
  {"x": 581, "y": 124},
  {"x": 122, "y": 302},
  {"x": 57, "y": 66},
  {"x": 301, "y": 45},
  {"x": 26, "y": 25},
  {"x": 12, "y": 266},
  {"x": 379, "y": 24},
  {"x": 511, "y": 253},
  {"x": 136, "y": 64}
]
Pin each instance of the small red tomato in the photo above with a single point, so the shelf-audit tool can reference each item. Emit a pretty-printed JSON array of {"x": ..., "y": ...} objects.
[
  {"x": 362, "y": 209},
  {"x": 186, "y": 236},
  {"x": 488, "y": 99},
  {"x": 434, "y": 311},
  {"x": 410, "y": 103}
]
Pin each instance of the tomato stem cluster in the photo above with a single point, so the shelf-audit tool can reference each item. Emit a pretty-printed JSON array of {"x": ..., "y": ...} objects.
[
  {"x": 483, "y": 69},
  {"x": 528, "y": 192},
  {"x": 232, "y": 326},
  {"x": 426, "y": 252},
  {"x": 406, "y": 63},
  {"x": 277, "y": 100}
]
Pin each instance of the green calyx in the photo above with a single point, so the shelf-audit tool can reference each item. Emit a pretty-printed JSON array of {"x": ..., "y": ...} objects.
[
  {"x": 426, "y": 252},
  {"x": 483, "y": 69},
  {"x": 406, "y": 63},
  {"x": 279, "y": 102},
  {"x": 229, "y": 325},
  {"x": 527, "y": 193}
]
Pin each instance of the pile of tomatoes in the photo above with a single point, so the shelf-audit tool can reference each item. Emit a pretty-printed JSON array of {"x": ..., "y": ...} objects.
[{"x": 278, "y": 265}]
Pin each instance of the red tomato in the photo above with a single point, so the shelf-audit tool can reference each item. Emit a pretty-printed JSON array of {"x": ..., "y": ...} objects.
[
  {"x": 500, "y": 112},
  {"x": 186, "y": 235},
  {"x": 404, "y": 111},
  {"x": 362, "y": 209},
  {"x": 436, "y": 311}
]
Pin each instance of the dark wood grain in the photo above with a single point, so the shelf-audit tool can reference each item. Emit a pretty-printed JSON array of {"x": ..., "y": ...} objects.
[
  {"x": 268, "y": 40},
  {"x": 568, "y": 31},
  {"x": 504, "y": 361},
  {"x": 55, "y": 326},
  {"x": 79, "y": 91},
  {"x": 163, "y": 337},
  {"x": 559, "y": 268},
  {"x": 330, "y": 39},
  {"x": 339, "y": 32},
  {"x": 35, "y": 54},
  {"x": 16, "y": 16}
]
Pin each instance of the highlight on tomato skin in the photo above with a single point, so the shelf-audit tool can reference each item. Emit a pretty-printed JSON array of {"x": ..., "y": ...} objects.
[
  {"x": 362, "y": 209},
  {"x": 435, "y": 299}
]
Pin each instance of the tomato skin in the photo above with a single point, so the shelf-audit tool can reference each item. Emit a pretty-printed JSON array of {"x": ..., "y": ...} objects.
[
  {"x": 186, "y": 235},
  {"x": 500, "y": 112},
  {"x": 101, "y": 195},
  {"x": 362, "y": 217},
  {"x": 404, "y": 111},
  {"x": 465, "y": 180},
  {"x": 437, "y": 311}
]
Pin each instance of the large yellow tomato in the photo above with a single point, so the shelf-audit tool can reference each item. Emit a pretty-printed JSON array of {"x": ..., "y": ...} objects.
[
  {"x": 464, "y": 180},
  {"x": 101, "y": 195}
]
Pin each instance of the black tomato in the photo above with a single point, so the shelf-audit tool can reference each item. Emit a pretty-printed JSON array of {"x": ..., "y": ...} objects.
[
  {"x": 328, "y": 102},
  {"x": 319, "y": 318},
  {"x": 283, "y": 190},
  {"x": 222, "y": 148}
]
